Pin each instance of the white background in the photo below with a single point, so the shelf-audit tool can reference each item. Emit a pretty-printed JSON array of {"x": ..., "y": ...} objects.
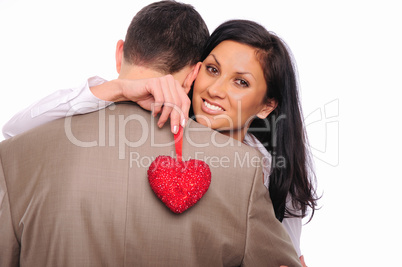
[{"x": 348, "y": 55}]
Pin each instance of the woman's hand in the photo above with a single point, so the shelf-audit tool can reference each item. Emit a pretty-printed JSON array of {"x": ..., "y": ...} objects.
[
  {"x": 162, "y": 95},
  {"x": 301, "y": 261}
]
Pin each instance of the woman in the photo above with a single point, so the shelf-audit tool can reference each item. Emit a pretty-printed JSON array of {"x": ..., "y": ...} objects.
[
  {"x": 244, "y": 64},
  {"x": 246, "y": 88}
]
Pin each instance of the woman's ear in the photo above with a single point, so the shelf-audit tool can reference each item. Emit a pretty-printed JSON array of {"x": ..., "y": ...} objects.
[
  {"x": 188, "y": 81},
  {"x": 267, "y": 109},
  {"x": 119, "y": 55}
]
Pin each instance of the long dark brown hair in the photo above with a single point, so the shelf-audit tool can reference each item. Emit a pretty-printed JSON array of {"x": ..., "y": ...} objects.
[{"x": 282, "y": 133}]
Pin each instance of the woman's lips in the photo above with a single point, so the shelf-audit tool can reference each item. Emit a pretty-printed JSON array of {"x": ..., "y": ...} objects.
[{"x": 211, "y": 108}]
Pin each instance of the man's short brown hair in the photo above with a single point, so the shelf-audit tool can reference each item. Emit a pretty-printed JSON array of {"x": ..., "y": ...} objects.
[{"x": 166, "y": 36}]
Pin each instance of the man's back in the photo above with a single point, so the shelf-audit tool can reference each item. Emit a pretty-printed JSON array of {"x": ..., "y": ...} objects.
[{"x": 75, "y": 193}]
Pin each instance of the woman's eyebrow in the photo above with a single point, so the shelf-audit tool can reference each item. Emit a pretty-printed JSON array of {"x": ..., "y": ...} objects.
[
  {"x": 245, "y": 73},
  {"x": 217, "y": 62}
]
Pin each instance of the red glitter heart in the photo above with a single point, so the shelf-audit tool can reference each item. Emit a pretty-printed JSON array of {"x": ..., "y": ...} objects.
[{"x": 179, "y": 184}]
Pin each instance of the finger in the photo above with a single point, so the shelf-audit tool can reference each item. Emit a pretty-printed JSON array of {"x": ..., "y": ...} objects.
[
  {"x": 167, "y": 104},
  {"x": 175, "y": 115},
  {"x": 154, "y": 88},
  {"x": 185, "y": 104}
]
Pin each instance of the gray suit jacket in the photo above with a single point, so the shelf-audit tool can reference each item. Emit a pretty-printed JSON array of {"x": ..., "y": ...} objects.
[{"x": 75, "y": 192}]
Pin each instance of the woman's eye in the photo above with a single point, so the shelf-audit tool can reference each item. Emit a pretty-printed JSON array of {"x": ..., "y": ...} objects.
[
  {"x": 212, "y": 69},
  {"x": 242, "y": 83}
]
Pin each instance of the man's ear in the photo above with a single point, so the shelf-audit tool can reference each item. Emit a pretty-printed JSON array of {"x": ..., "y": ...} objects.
[
  {"x": 119, "y": 55},
  {"x": 267, "y": 109},
  {"x": 188, "y": 81}
]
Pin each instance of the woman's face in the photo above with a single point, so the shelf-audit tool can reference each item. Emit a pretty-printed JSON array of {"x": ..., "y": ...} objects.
[{"x": 230, "y": 89}]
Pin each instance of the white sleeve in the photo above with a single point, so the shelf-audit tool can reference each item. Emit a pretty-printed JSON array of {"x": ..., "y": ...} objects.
[
  {"x": 294, "y": 227},
  {"x": 58, "y": 105}
]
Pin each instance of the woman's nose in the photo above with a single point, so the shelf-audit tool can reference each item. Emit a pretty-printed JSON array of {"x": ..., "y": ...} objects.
[{"x": 217, "y": 88}]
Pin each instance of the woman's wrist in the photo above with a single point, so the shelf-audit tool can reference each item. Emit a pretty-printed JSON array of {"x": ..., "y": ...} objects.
[{"x": 109, "y": 91}]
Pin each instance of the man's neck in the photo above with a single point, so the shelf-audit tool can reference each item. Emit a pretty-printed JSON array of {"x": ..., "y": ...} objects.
[{"x": 135, "y": 72}]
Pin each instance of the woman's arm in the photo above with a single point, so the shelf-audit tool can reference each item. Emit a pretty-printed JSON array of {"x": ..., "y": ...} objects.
[
  {"x": 78, "y": 100},
  {"x": 160, "y": 95},
  {"x": 294, "y": 227}
]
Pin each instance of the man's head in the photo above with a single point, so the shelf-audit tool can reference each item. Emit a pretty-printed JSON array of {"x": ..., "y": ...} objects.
[{"x": 165, "y": 37}]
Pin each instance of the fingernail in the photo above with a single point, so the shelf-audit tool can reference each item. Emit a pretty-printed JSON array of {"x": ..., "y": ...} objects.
[
  {"x": 183, "y": 123},
  {"x": 175, "y": 129}
]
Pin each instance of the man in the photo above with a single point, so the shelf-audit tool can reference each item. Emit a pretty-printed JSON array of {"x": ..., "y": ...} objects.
[{"x": 75, "y": 192}]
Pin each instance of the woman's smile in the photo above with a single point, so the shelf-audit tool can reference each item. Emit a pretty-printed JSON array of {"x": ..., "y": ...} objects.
[{"x": 211, "y": 107}]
